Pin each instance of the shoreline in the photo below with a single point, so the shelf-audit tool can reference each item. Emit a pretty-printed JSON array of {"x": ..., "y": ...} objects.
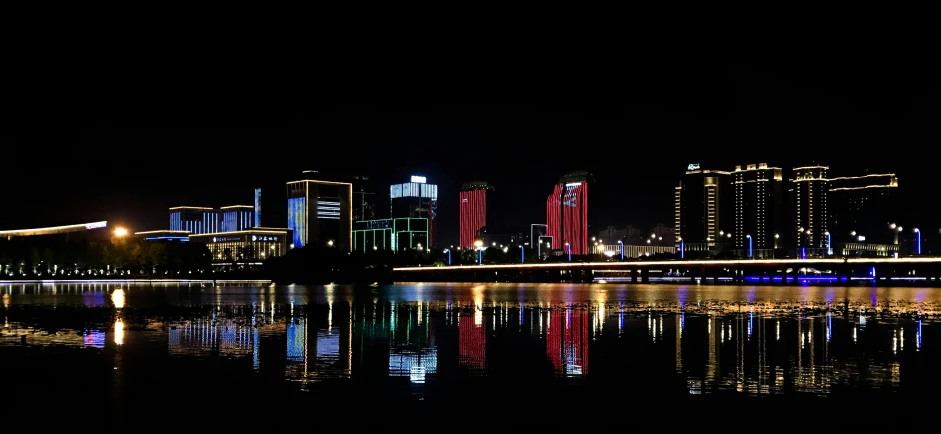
[{"x": 178, "y": 281}]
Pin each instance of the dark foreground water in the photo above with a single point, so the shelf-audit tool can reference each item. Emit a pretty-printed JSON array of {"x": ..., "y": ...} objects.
[{"x": 465, "y": 357}]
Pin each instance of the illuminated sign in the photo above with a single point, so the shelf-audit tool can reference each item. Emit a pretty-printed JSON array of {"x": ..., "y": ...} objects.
[
  {"x": 96, "y": 225},
  {"x": 693, "y": 166},
  {"x": 264, "y": 238},
  {"x": 378, "y": 224},
  {"x": 418, "y": 179}
]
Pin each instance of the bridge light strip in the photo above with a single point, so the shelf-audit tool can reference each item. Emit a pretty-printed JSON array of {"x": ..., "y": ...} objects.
[{"x": 753, "y": 262}]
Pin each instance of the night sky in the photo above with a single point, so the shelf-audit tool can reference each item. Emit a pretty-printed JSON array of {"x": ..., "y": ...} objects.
[{"x": 126, "y": 157}]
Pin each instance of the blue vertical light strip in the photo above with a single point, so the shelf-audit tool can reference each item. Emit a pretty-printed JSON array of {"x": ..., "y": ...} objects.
[
  {"x": 297, "y": 220},
  {"x": 522, "y": 255},
  {"x": 803, "y": 253},
  {"x": 682, "y": 251},
  {"x": 257, "y": 207}
]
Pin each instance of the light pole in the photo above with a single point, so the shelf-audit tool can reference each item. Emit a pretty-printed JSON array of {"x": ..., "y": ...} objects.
[
  {"x": 749, "y": 245},
  {"x": 682, "y": 249},
  {"x": 480, "y": 253},
  {"x": 829, "y": 246},
  {"x": 522, "y": 254},
  {"x": 917, "y": 241},
  {"x": 569, "y": 248},
  {"x": 448, "y": 251},
  {"x": 621, "y": 246}
]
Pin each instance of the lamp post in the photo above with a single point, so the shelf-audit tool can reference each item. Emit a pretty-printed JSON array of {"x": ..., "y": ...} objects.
[
  {"x": 917, "y": 241},
  {"x": 749, "y": 245},
  {"x": 448, "y": 251},
  {"x": 522, "y": 254},
  {"x": 829, "y": 246},
  {"x": 682, "y": 249},
  {"x": 621, "y": 246},
  {"x": 480, "y": 253},
  {"x": 569, "y": 248}
]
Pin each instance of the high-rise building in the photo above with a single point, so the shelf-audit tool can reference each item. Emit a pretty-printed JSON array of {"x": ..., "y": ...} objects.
[
  {"x": 257, "y": 207},
  {"x": 195, "y": 219},
  {"x": 237, "y": 218},
  {"x": 808, "y": 196},
  {"x": 568, "y": 214},
  {"x": 475, "y": 201},
  {"x": 416, "y": 199},
  {"x": 321, "y": 212},
  {"x": 759, "y": 213},
  {"x": 863, "y": 206},
  {"x": 703, "y": 211},
  {"x": 364, "y": 196}
]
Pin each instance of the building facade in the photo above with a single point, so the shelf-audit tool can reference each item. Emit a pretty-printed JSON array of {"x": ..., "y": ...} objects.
[
  {"x": 391, "y": 234},
  {"x": 416, "y": 199},
  {"x": 162, "y": 235},
  {"x": 864, "y": 206},
  {"x": 236, "y": 218},
  {"x": 475, "y": 201},
  {"x": 249, "y": 246},
  {"x": 759, "y": 209},
  {"x": 703, "y": 212},
  {"x": 194, "y": 219},
  {"x": 809, "y": 231},
  {"x": 568, "y": 214},
  {"x": 321, "y": 213},
  {"x": 364, "y": 192},
  {"x": 257, "y": 207}
]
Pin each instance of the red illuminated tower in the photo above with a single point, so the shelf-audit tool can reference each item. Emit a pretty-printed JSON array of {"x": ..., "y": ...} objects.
[
  {"x": 475, "y": 197},
  {"x": 568, "y": 215}
]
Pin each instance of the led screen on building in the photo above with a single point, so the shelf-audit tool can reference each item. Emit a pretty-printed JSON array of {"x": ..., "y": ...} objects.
[{"x": 297, "y": 219}]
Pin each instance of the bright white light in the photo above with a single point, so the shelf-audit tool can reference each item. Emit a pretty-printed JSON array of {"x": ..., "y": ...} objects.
[
  {"x": 418, "y": 179},
  {"x": 117, "y": 297}
]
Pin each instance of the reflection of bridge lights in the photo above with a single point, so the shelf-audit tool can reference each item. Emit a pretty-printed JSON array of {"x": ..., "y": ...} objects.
[
  {"x": 119, "y": 332},
  {"x": 918, "y": 336},
  {"x": 117, "y": 298}
]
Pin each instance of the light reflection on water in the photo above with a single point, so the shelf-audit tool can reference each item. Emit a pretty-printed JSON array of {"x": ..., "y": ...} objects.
[{"x": 750, "y": 340}]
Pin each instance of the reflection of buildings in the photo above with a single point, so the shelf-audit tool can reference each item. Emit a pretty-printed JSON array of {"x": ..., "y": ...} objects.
[
  {"x": 317, "y": 350},
  {"x": 472, "y": 340},
  {"x": 208, "y": 335},
  {"x": 413, "y": 352},
  {"x": 567, "y": 340}
]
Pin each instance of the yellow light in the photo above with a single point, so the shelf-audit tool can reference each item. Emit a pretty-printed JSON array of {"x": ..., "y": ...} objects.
[
  {"x": 478, "y": 244},
  {"x": 119, "y": 332},
  {"x": 120, "y": 232},
  {"x": 117, "y": 297}
]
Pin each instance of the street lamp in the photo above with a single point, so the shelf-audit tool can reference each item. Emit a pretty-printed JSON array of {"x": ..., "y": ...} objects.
[
  {"x": 749, "y": 245},
  {"x": 522, "y": 254},
  {"x": 621, "y": 246},
  {"x": 480, "y": 253},
  {"x": 448, "y": 251},
  {"x": 120, "y": 232},
  {"x": 918, "y": 241},
  {"x": 569, "y": 248}
]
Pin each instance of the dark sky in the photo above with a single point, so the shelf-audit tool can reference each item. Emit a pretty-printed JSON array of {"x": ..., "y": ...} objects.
[{"x": 127, "y": 156}]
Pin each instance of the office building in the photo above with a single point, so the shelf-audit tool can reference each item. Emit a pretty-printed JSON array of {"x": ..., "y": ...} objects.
[
  {"x": 321, "y": 213},
  {"x": 162, "y": 235},
  {"x": 703, "y": 210},
  {"x": 569, "y": 214},
  {"x": 257, "y": 207},
  {"x": 808, "y": 193},
  {"x": 390, "y": 234},
  {"x": 364, "y": 192},
  {"x": 416, "y": 199},
  {"x": 759, "y": 212},
  {"x": 475, "y": 201},
  {"x": 250, "y": 246},
  {"x": 863, "y": 208},
  {"x": 195, "y": 219},
  {"x": 237, "y": 218}
]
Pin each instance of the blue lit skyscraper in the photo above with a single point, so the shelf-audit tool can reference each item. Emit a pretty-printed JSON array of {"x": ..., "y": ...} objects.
[
  {"x": 237, "y": 218},
  {"x": 321, "y": 212},
  {"x": 195, "y": 219},
  {"x": 257, "y": 207}
]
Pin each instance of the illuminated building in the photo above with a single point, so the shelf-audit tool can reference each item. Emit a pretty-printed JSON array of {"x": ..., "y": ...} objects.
[
  {"x": 252, "y": 245},
  {"x": 52, "y": 230},
  {"x": 195, "y": 219},
  {"x": 862, "y": 209},
  {"x": 364, "y": 205},
  {"x": 416, "y": 199},
  {"x": 321, "y": 213},
  {"x": 237, "y": 218},
  {"x": 567, "y": 340},
  {"x": 758, "y": 209},
  {"x": 703, "y": 210},
  {"x": 257, "y": 207},
  {"x": 475, "y": 201},
  {"x": 163, "y": 235},
  {"x": 568, "y": 212},
  {"x": 390, "y": 234},
  {"x": 808, "y": 193}
]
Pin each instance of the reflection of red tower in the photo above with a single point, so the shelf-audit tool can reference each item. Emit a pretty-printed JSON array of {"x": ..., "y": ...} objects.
[
  {"x": 567, "y": 217},
  {"x": 472, "y": 342},
  {"x": 567, "y": 340}
]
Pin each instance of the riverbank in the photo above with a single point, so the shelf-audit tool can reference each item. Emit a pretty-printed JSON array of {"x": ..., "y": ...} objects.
[{"x": 139, "y": 281}]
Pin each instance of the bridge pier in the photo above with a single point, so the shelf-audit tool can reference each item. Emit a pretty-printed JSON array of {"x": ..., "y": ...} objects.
[
  {"x": 634, "y": 275},
  {"x": 645, "y": 275}
]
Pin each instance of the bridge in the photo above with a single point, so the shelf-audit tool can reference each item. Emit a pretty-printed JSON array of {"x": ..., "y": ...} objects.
[
  {"x": 832, "y": 270},
  {"x": 52, "y": 230}
]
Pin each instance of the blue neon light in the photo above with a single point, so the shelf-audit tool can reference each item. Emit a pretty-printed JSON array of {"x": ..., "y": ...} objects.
[
  {"x": 749, "y": 246},
  {"x": 167, "y": 238},
  {"x": 297, "y": 219},
  {"x": 803, "y": 253},
  {"x": 449, "y": 256},
  {"x": 257, "y": 207},
  {"x": 480, "y": 256},
  {"x": 522, "y": 255},
  {"x": 682, "y": 251},
  {"x": 622, "y": 249}
]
